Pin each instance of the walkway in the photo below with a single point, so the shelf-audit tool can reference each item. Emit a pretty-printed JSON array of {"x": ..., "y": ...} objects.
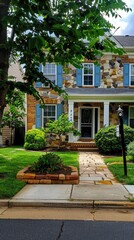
[{"x": 93, "y": 170}]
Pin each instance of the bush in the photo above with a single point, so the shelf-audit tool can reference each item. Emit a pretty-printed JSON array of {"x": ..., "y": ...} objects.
[
  {"x": 35, "y": 139},
  {"x": 130, "y": 150},
  {"x": 47, "y": 163},
  {"x": 108, "y": 143}
]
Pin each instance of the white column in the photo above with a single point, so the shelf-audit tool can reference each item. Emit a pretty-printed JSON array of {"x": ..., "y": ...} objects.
[
  {"x": 106, "y": 113},
  {"x": 71, "y": 111},
  {"x": 70, "y": 117}
]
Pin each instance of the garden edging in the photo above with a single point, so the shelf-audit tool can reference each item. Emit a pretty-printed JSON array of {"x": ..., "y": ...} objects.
[{"x": 33, "y": 178}]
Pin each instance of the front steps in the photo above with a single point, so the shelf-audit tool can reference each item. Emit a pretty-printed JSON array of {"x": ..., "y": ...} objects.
[{"x": 83, "y": 146}]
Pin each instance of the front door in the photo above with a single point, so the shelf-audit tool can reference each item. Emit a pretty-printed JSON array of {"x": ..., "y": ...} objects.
[{"x": 87, "y": 122}]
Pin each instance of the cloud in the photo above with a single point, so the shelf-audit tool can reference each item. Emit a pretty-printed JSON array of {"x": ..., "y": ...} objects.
[
  {"x": 127, "y": 26},
  {"x": 126, "y": 22}
]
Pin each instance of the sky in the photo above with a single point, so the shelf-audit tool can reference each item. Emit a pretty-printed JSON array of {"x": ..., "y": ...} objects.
[{"x": 126, "y": 22}]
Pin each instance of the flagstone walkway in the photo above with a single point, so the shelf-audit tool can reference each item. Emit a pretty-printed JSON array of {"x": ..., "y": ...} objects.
[{"x": 93, "y": 170}]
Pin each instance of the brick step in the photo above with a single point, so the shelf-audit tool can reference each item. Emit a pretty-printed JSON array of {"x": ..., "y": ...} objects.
[
  {"x": 83, "y": 146},
  {"x": 87, "y": 149}
]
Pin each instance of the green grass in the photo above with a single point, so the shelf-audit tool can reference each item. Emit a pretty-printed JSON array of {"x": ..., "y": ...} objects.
[
  {"x": 116, "y": 166},
  {"x": 13, "y": 159}
]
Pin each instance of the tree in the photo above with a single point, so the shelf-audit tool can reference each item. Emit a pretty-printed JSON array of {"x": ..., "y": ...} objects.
[
  {"x": 61, "y": 127},
  {"x": 52, "y": 30},
  {"x": 13, "y": 117}
]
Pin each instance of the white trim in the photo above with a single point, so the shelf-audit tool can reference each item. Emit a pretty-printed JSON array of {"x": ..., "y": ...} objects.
[
  {"x": 43, "y": 85},
  {"x": 100, "y": 101},
  {"x": 130, "y": 74},
  {"x": 43, "y": 112},
  {"x": 87, "y": 75},
  {"x": 93, "y": 120},
  {"x": 106, "y": 114}
]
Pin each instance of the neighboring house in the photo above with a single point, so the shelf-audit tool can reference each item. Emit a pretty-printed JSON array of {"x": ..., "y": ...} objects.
[
  {"x": 15, "y": 72},
  {"x": 94, "y": 92}
]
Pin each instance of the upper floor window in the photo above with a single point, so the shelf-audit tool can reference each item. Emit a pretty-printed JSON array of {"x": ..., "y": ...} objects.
[
  {"x": 49, "y": 113},
  {"x": 49, "y": 71},
  {"x": 88, "y": 74},
  {"x": 132, "y": 74}
]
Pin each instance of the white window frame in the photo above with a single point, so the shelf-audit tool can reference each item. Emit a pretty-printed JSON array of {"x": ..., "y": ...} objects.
[
  {"x": 49, "y": 74},
  {"x": 87, "y": 74},
  {"x": 130, "y": 75},
  {"x": 129, "y": 114},
  {"x": 43, "y": 117}
]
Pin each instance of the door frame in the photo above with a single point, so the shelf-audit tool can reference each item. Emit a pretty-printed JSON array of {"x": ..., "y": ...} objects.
[{"x": 93, "y": 127}]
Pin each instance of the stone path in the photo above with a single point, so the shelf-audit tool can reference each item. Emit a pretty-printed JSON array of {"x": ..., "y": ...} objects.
[{"x": 93, "y": 170}]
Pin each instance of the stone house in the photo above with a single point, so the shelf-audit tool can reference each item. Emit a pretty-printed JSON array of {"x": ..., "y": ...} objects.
[{"x": 94, "y": 93}]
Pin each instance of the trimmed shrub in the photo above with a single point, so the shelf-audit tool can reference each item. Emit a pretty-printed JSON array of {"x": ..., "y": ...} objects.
[
  {"x": 108, "y": 143},
  {"x": 35, "y": 139},
  {"x": 130, "y": 151},
  {"x": 47, "y": 163}
]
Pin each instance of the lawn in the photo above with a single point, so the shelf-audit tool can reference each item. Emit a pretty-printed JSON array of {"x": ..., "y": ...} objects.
[
  {"x": 13, "y": 159},
  {"x": 115, "y": 165}
]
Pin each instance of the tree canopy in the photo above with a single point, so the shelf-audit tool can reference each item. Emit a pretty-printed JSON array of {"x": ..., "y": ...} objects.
[{"x": 37, "y": 31}]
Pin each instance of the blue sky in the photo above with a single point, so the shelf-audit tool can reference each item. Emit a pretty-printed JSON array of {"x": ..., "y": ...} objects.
[{"x": 126, "y": 22}]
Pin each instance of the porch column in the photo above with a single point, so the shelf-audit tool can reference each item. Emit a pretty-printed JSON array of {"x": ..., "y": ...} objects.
[
  {"x": 106, "y": 113},
  {"x": 71, "y": 111},
  {"x": 70, "y": 117}
]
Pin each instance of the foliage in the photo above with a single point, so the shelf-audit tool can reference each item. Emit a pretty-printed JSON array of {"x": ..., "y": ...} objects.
[
  {"x": 35, "y": 139},
  {"x": 130, "y": 150},
  {"x": 14, "y": 115},
  {"x": 107, "y": 142},
  {"x": 47, "y": 163},
  {"x": 51, "y": 31},
  {"x": 13, "y": 159},
  {"x": 61, "y": 126}
]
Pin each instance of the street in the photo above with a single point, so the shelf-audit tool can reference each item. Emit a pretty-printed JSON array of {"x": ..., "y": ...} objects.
[{"x": 18, "y": 229}]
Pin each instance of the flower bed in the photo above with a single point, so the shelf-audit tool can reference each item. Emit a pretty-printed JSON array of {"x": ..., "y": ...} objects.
[{"x": 36, "y": 178}]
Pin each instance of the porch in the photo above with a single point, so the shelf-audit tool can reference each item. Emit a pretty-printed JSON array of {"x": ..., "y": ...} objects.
[{"x": 92, "y": 109}]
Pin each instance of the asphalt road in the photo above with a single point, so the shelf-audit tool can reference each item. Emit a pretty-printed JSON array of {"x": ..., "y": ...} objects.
[{"x": 65, "y": 229}]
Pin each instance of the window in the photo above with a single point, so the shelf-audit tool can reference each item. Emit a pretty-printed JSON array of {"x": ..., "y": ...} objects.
[
  {"x": 49, "y": 113},
  {"x": 132, "y": 74},
  {"x": 131, "y": 116},
  {"x": 88, "y": 73},
  {"x": 49, "y": 71}
]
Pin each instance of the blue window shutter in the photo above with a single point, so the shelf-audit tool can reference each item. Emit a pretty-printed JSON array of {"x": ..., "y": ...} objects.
[
  {"x": 59, "y": 109},
  {"x": 39, "y": 84},
  {"x": 59, "y": 75},
  {"x": 38, "y": 116},
  {"x": 79, "y": 77},
  {"x": 126, "y": 74},
  {"x": 97, "y": 76}
]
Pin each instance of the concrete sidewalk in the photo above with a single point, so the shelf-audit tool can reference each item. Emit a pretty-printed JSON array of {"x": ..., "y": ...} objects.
[{"x": 97, "y": 188}]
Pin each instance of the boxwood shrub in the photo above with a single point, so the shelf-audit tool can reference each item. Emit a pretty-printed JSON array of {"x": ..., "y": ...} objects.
[
  {"x": 35, "y": 139},
  {"x": 108, "y": 143},
  {"x": 130, "y": 151}
]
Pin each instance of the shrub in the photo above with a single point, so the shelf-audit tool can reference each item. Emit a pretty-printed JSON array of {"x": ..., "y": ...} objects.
[
  {"x": 130, "y": 150},
  {"x": 47, "y": 163},
  {"x": 35, "y": 139},
  {"x": 107, "y": 142}
]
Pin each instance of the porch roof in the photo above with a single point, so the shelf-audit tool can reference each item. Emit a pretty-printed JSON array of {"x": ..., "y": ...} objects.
[{"x": 113, "y": 94}]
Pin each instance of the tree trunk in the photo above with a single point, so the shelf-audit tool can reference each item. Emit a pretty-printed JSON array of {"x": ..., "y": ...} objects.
[{"x": 4, "y": 58}]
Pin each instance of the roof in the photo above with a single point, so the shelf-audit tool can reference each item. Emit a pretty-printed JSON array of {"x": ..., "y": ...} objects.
[
  {"x": 99, "y": 91},
  {"x": 125, "y": 41}
]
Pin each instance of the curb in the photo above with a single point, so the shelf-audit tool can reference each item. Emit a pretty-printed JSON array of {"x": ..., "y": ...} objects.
[{"x": 67, "y": 204}]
